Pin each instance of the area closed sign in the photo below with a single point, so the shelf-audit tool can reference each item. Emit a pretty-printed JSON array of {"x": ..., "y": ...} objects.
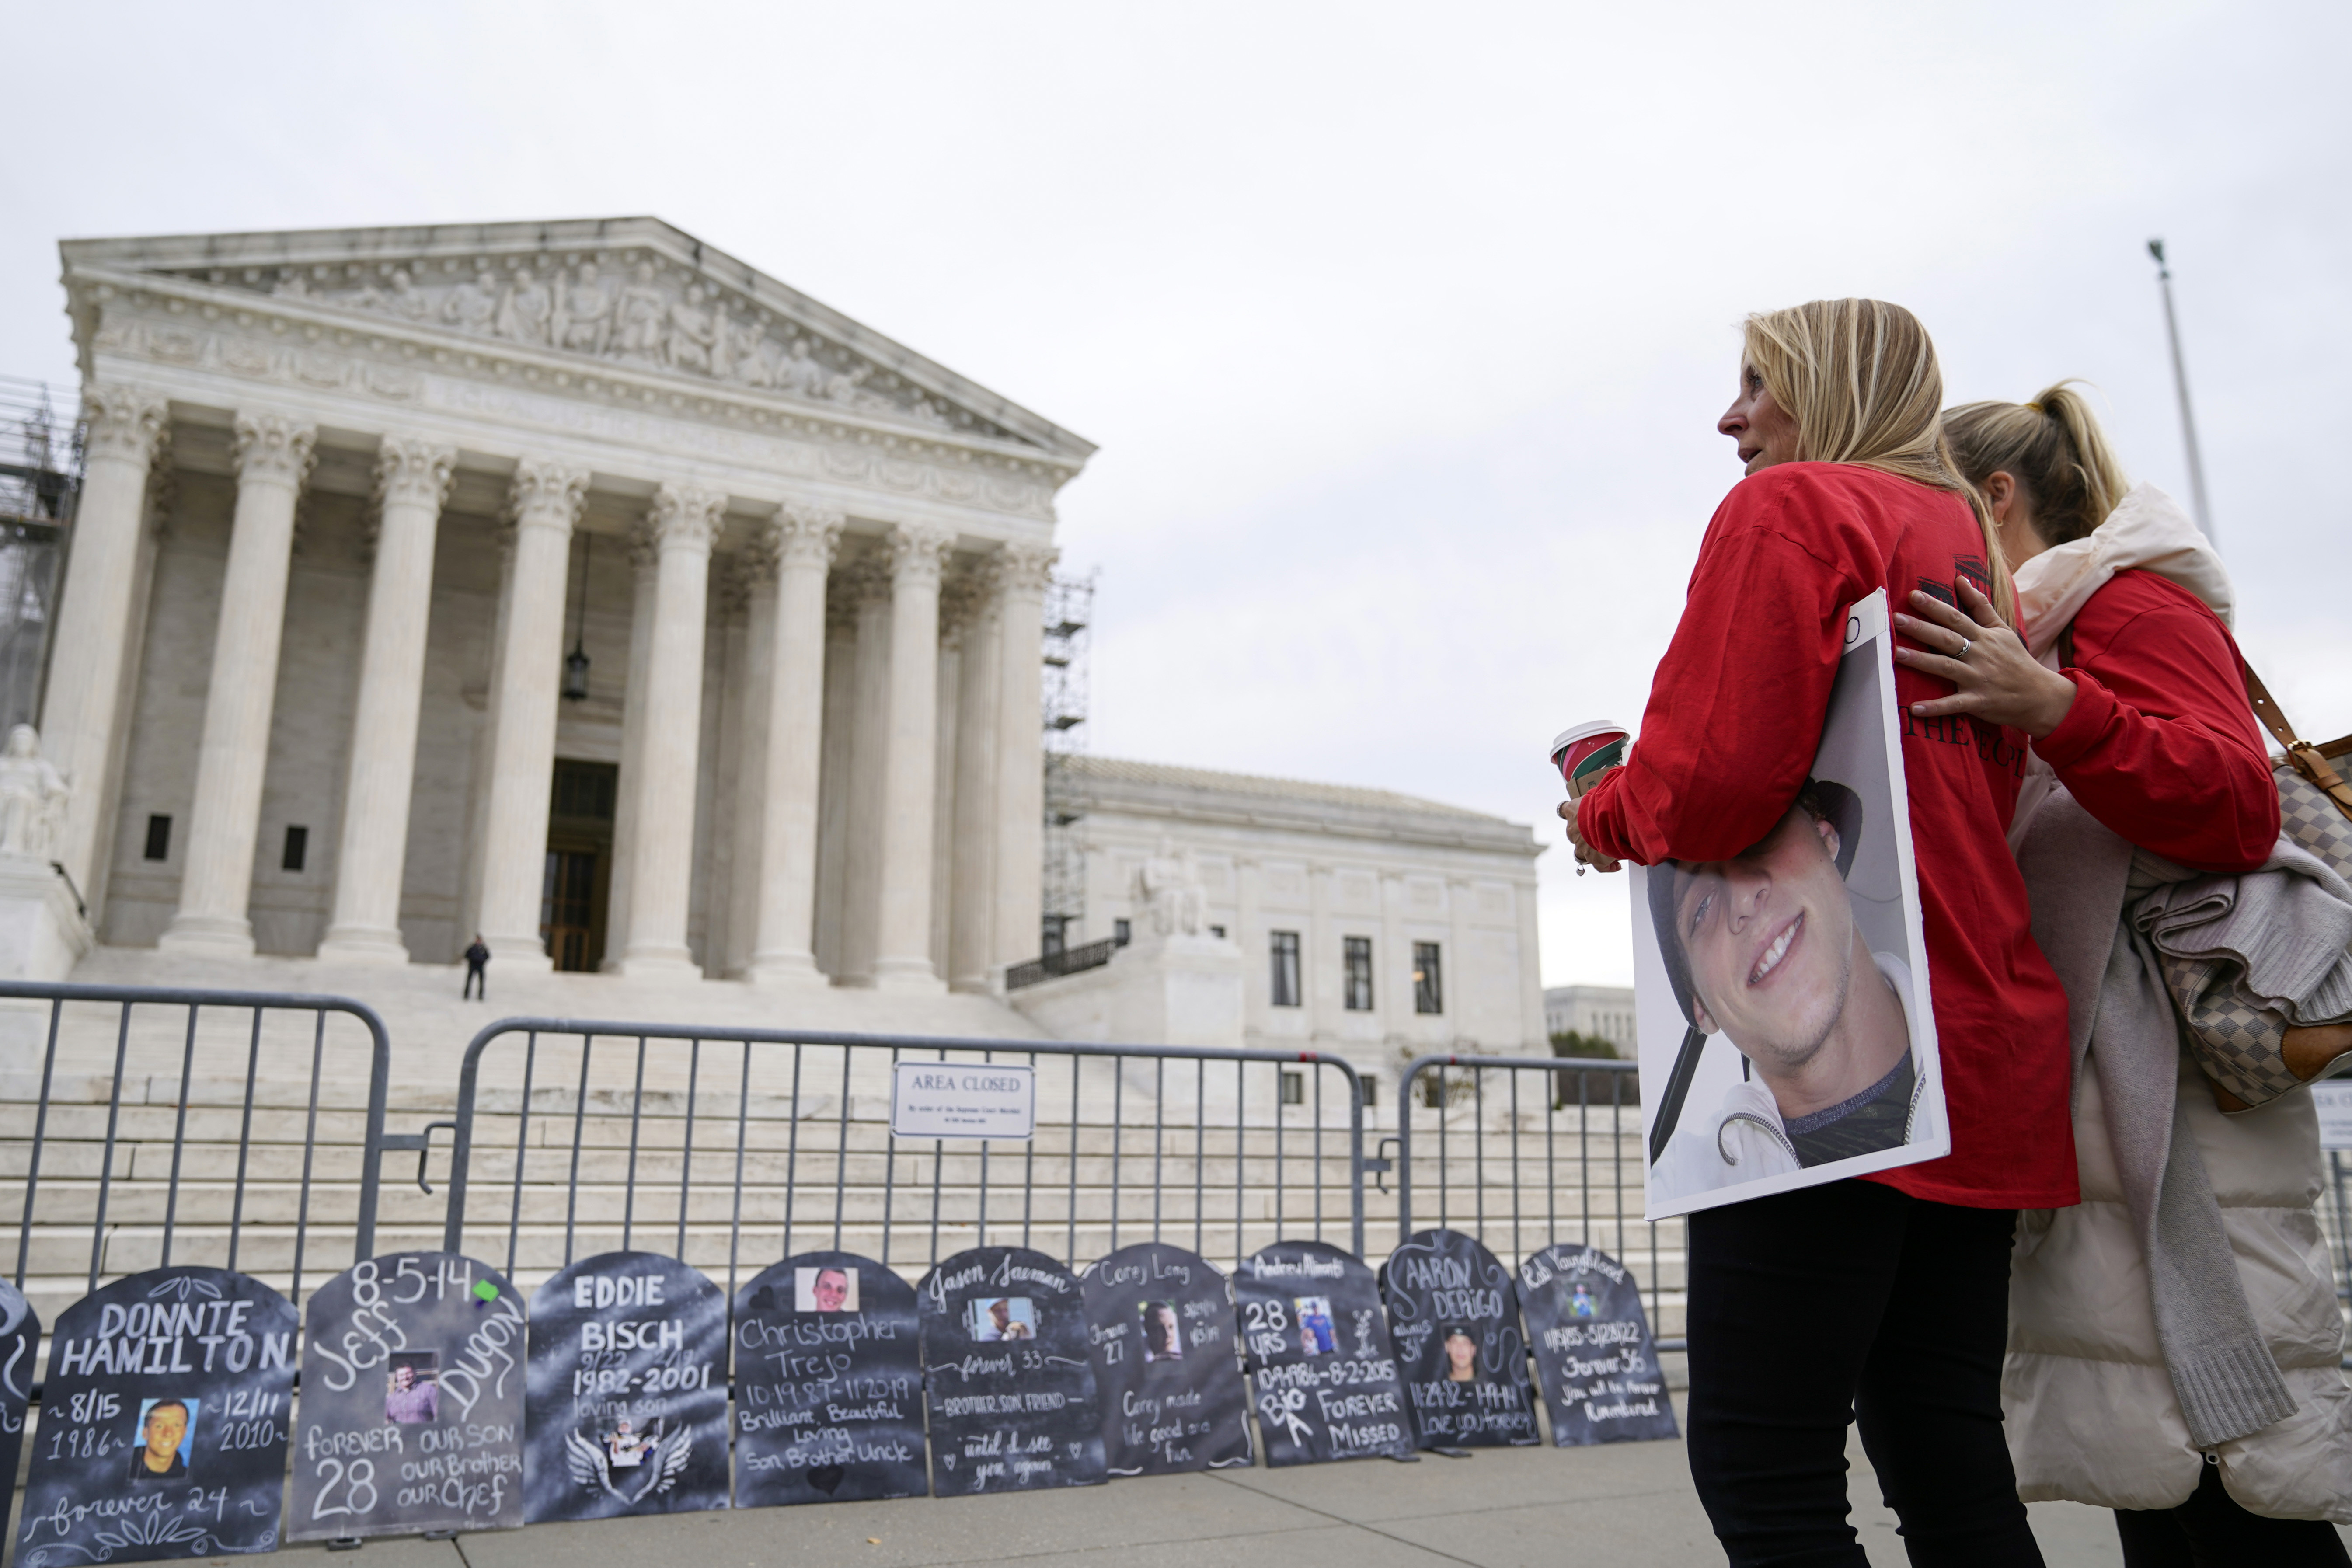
[{"x": 964, "y": 1100}]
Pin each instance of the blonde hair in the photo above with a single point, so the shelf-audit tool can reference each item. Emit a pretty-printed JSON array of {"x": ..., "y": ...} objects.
[
  {"x": 2052, "y": 447},
  {"x": 1860, "y": 379}
]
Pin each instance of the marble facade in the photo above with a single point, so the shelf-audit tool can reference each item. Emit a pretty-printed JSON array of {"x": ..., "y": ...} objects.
[
  {"x": 1250, "y": 860},
  {"x": 354, "y": 496}
]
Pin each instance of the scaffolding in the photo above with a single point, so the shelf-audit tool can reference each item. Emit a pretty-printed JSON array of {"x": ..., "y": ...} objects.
[
  {"x": 40, "y": 478},
  {"x": 1069, "y": 616}
]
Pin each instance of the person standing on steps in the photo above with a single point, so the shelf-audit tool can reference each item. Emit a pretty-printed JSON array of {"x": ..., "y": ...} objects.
[{"x": 477, "y": 959}]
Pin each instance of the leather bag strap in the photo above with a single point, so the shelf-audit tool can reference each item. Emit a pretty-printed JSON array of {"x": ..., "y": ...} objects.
[{"x": 2312, "y": 761}]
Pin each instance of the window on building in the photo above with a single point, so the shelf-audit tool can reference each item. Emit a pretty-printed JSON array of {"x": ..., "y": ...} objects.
[
  {"x": 297, "y": 850},
  {"x": 1285, "y": 949},
  {"x": 159, "y": 838},
  {"x": 1121, "y": 932},
  {"x": 1294, "y": 1088},
  {"x": 1371, "y": 1090},
  {"x": 1428, "y": 981},
  {"x": 1356, "y": 953},
  {"x": 1217, "y": 931},
  {"x": 1054, "y": 935}
]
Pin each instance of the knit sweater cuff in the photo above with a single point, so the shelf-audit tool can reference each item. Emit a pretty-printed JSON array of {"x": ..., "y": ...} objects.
[{"x": 2233, "y": 1393}]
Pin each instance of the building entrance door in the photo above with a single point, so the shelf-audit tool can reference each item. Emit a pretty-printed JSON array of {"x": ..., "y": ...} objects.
[{"x": 579, "y": 880}]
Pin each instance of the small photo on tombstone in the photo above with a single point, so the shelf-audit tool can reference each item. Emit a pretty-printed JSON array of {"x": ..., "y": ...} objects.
[
  {"x": 163, "y": 1439},
  {"x": 991, "y": 1319},
  {"x": 1163, "y": 1332},
  {"x": 1315, "y": 1335},
  {"x": 1580, "y": 1305},
  {"x": 1461, "y": 1347},
  {"x": 627, "y": 1448},
  {"x": 412, "y": 1388},
  {"x": 825, "y": 1289}
]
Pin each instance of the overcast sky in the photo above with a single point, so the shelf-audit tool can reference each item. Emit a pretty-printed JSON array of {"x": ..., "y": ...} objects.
[{"x": 1402, "y": 329}]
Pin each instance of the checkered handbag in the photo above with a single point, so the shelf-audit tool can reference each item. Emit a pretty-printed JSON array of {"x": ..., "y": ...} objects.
[{"x": 2239, "y": 1043}]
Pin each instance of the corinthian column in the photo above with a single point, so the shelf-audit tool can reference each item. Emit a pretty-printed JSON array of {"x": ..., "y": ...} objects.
[
  {"x": 644, "y": 562},
  {"x": 868, "y": 590},
  {"x": 272, "y": 455},
  {"x": 902, "y": 959},
  {"x": 661, "y": 861},
  {"x": 411, "y": 481},
  {"x": 980, "y": 701},
  {"x": 84, "y": 704},
  {"x": 1025, "y": 571},
  {"x": 545, "y": 502},
  {"x": 804, "y": 539}
]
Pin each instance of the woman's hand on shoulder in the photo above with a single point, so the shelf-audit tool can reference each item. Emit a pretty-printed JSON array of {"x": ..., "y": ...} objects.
[{"x": 1970, "y": 645}]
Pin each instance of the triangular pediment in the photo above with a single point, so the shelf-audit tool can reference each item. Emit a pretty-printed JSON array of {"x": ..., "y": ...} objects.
[{"x": 627, "y": 293}]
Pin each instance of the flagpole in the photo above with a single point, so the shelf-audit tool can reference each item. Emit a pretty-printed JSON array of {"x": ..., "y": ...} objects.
[{"x": 2180, "y": 384}]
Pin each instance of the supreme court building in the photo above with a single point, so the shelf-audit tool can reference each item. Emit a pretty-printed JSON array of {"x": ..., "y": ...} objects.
[{"x": 574, "y": 584}]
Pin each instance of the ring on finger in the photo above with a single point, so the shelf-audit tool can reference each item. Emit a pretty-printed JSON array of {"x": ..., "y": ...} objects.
[{"x": 1965, "y": 644}]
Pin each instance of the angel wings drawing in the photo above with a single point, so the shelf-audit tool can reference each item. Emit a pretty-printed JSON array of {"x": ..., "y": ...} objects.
[{"x": 659, "y": 1458}]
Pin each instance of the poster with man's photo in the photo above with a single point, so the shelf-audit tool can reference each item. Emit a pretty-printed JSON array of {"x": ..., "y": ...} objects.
[{"x": 1786, "y": 1038}]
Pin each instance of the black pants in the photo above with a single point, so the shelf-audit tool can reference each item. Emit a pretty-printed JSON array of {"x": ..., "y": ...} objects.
[
  {"x": 475, "y": 986},
  {"x": 2211, "y": 1530},
  {"x": 1853, "y": 1300}
]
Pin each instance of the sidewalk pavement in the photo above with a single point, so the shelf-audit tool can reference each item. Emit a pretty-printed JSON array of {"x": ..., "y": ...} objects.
[{"x": 1627, "y": 1504}]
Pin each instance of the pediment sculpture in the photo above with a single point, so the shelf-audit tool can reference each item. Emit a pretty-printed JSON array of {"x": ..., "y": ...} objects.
[{"x": 645, "y": 314}]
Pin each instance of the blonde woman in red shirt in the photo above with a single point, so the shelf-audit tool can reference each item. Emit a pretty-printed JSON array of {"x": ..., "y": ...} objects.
[
  {"x": 2174, "y": 1339},
  {"x": 1896, "y": 1284}
]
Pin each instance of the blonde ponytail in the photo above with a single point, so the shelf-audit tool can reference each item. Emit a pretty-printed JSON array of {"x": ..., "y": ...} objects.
[
  {"x": 2053, "y": 448},
  {"x": 1859, "y": 378}
]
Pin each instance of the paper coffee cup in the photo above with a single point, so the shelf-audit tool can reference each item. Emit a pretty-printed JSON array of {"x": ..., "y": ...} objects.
[{"x": 1582, "y": 752}]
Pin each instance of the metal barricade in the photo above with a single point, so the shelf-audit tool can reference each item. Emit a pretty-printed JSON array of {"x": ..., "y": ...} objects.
[
  {"x": 161, "y": 1125},
  {"x": 1494, "y": 1162},
  {"x": 756, "y": 1144}
]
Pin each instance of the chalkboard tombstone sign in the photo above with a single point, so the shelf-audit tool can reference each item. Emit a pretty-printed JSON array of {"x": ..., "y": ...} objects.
[
  {"x": 1317, "y": 1344},
  {"x": 1167, "y": 1361},
  {"x": 1454, "y": 1321},
  {"x": 164, "y": 1422},
  {"x": 1593, "y": 1352},
  {"x": 20, "y": 1341},
  {"x": 411, "y": 1401},
  {"x": 1010, "y": 1381},
  {"x": 828, "y": 1383},
  {"x": 627, "y": 1392}
]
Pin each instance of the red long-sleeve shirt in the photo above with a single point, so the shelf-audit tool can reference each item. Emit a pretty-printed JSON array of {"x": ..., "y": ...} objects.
[
  {"x": 1734, "y": 717},
  {"x": 2160, "y": 745}
]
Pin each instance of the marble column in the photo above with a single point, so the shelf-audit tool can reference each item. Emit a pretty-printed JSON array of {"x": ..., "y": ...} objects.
[
  {"x": 545, "y": 505},
  {"x": 272, "y": 455},
  {"x": 643, "y": 560},
  {"x": 1455, "y": 960},
  {"x": 974, "y": 847},
  {"x": 1249, "y": 932},
  {"x": 803, "y": 540},
  {"x": 868, "y": 590},
  {"x": 753, "y": 672},
  {"x": 90, "y": 678},
  {"x": 412, "y": 480},
  {"x": 1318, "y": 955},
  {"x": 1025, "y": 571},
  {"x": 1392, "y": 965},
  {"x": 684, "y": 520},
  {"x": 1533, "y": 1037},
  {"x": 902, "y": 958}
]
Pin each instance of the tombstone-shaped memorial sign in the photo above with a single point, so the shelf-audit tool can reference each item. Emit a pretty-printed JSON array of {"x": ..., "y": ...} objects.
[
  {"x": 828, "y": 1383},
  {"x": 164, "y": 1422},
  {"x": 628, "y": 1391},
  {"x": 1593, "y": 1354},
  {"x": 1317, "y": 1344},
  {"x": 20, "y": 1341},
  {"x": 411, "y": 1401},
  {"x": 1008, "y": 1377},
  {"x": 1166, "y": 1363},
  {"x": 1454, "y": 1321}
]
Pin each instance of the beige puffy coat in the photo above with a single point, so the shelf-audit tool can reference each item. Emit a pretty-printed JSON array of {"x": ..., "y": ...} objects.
[{"x": 2091, "y": 1412}]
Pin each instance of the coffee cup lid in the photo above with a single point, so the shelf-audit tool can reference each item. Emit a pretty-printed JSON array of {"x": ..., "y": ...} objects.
[{"x": 1584, "y": 731}]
